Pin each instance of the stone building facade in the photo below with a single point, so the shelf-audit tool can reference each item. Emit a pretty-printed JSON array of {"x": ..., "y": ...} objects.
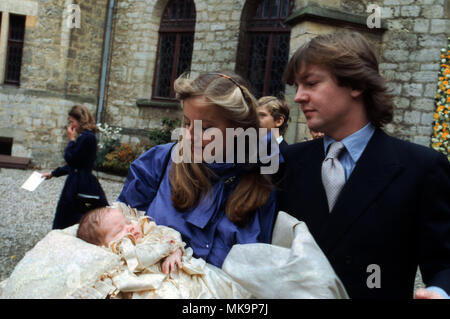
[{"x": 62, "y": 66}]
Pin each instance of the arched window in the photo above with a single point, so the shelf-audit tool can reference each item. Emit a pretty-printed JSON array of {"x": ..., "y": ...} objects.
[
  {"x": 265, "y": 46},
  {"x": 175, "y": 44}
]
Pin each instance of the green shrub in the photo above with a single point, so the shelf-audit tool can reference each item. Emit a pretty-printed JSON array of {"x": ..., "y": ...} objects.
[
  {"x": 109, "y": 139},
  {"x": 163, "y": 136}
]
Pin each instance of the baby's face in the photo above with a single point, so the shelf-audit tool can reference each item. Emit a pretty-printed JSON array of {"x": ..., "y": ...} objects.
[{"x": 116, "y": 225}]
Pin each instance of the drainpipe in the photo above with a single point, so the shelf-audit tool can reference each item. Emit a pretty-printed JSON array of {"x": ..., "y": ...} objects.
[{"x": 105, "y": 60}]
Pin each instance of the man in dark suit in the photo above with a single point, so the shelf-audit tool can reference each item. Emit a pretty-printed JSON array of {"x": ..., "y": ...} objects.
[{"x": 377, "y": 206}]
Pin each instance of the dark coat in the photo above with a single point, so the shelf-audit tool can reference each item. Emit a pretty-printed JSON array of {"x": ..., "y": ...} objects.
[
  {"x": 277, "y": 178},
  {"x": 394, "y": 212},
  {"x": 283, "y": 146},
  {"x": 80, "y": 157}
]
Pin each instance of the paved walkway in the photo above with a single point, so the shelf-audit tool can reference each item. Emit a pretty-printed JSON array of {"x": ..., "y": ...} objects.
[{"x": 26, "y": 217}]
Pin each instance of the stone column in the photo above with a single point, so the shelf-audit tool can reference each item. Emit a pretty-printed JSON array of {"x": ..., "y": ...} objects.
[{"x": 3, "y": 44}]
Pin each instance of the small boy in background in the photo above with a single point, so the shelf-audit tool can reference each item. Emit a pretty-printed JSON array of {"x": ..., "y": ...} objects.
[{"x": 273, "y": 113}]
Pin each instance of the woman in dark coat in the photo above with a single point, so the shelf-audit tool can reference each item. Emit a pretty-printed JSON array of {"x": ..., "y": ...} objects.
[{"x": 81, "y": 191}]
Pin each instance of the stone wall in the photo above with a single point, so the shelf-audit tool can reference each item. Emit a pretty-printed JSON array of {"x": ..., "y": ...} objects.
[
  {"x": 62, "y": 59},
  {"x": 36, "y": 120},
  {"x": 411, "y": 63},
  {"x": 216, "y": 35},
  {"x": 133, "y": 57},
  {"x": 409, "y": 58},
  {"x": 60, "y": 67},
  {"x": 133, "y": 53},
  {"x": 85, "y": 48},
  {"x": 408, "y": 51}
]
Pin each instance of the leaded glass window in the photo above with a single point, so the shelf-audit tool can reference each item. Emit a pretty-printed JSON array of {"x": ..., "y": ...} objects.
[
  {"x": 267, "y": 46},
  {"x": 15, "y": 48},
  {"x": 175, "y": 45}
]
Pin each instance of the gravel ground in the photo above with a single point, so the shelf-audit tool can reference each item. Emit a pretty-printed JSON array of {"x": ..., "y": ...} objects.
[{"x": 26, "y": 217}]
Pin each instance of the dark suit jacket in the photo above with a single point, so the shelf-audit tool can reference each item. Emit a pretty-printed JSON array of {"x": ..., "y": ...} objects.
[
  {"x": 394, "y": 211},
  {"x": 278, "y": 177},
  {"x": 283, "y": 146}
]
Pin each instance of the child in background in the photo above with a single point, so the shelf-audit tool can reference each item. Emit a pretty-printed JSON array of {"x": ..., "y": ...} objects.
[{"x": 273, "y": 113}]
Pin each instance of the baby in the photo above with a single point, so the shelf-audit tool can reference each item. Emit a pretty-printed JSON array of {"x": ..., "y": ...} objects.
[
  {"x": 150, "y": 254},
  {"x": 104, "y": 226}
]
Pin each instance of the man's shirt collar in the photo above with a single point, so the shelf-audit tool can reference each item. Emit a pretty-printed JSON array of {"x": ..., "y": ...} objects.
[{"x": 355, "y": 143}]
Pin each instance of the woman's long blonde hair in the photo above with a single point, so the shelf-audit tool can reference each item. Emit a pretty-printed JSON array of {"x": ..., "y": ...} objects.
[{"x": 190, "y": 182}]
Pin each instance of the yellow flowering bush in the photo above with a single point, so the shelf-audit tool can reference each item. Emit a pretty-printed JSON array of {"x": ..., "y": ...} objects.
[{"x": 441, "y": 124}]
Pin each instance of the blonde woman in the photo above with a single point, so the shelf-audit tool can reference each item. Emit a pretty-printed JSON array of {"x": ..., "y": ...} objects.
[
  {"x": 81, "y": 191},
  {"x": 213, "y": 205}
]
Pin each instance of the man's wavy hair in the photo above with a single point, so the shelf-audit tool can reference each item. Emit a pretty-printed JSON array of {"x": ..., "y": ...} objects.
[{"x": 350, "y": 59}]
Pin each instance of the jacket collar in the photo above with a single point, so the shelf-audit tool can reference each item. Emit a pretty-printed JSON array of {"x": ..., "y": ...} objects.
[{"x": 375, "y": 169}]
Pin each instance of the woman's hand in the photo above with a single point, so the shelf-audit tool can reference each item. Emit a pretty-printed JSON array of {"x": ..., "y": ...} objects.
[
  {"x": 47, "y": 175},
  {"x": 169, "y": 264},
  {"x": 71, "y": 132}
]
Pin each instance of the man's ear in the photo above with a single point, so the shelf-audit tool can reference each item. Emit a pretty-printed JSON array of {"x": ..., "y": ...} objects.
[{"x": 355, "y": 93}]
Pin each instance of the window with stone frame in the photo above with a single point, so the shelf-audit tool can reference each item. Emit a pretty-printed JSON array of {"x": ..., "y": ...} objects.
[
  {"x": 175, "y": 46},
  {"x": 264, "y": 46},
  {"x": 14, "y": 51}
]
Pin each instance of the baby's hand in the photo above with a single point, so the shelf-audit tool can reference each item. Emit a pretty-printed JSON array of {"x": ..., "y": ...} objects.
[{"x": 169, "y": 264}]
